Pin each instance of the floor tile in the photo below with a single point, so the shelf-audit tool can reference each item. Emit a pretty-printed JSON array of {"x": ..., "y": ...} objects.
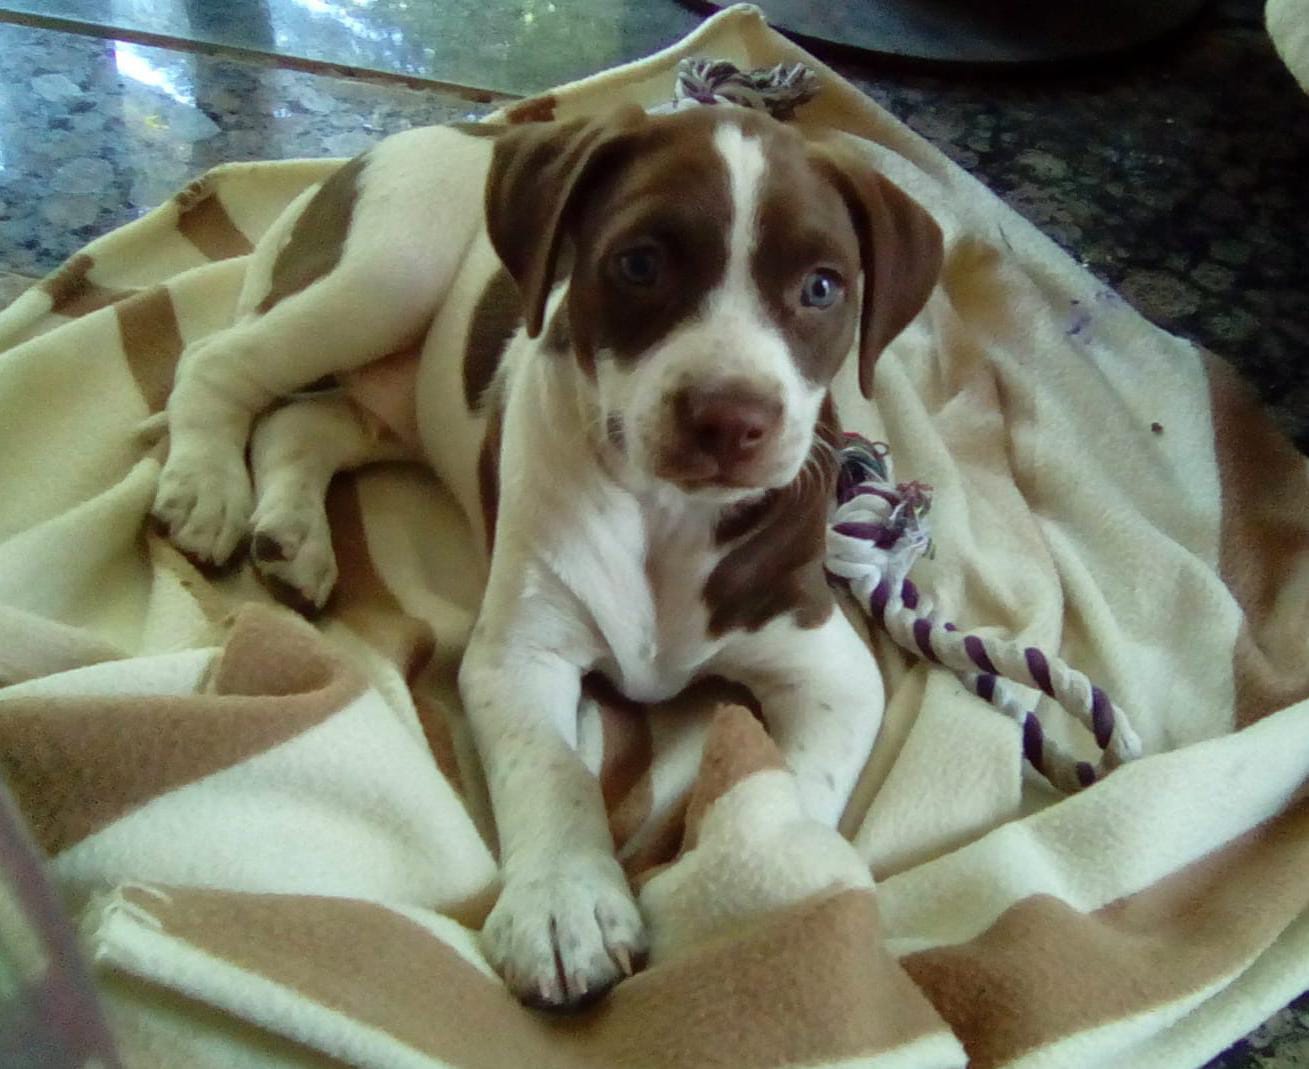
[
  {"x": 98, "y": 131},
  {"x": 512, "y": 46},
  {"x": 1178, "y": 179}
]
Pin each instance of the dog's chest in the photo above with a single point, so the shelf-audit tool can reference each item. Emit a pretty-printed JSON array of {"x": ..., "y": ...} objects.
[{"x": 642, "y": 584}]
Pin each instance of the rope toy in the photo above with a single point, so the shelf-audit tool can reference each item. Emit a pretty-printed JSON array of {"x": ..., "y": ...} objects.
[
  {"x": 876, "y": 533},
  {"x": 777, "y": 90}
]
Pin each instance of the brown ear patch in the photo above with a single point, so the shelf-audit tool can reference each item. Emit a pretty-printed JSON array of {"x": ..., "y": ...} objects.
[
  {"x": 496, "y": 317},
  {"x": 535, "y": 170},
  {"x": 488, "y": 475},
  {"x": 671, "y": 195},
  {"x": 900, "y": 246}
]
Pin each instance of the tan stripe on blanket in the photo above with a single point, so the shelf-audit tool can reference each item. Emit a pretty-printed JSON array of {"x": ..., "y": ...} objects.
[
  {"x": 436, "y": 729},
  {"x": 152, "y": 343},
  {"x": 1264, "y": 555},
  {"x": 73, "y": 294},
  {"x": 625, "y": 767},
  {"x": 78, "y": 764},
  {"x": 204, "y": 222},
  {"x": 1044, "y": 972},
  {"x": 738, "y": 747},
  {"x": 362, "y": 600},
  {"x": 805, "y": 986}
]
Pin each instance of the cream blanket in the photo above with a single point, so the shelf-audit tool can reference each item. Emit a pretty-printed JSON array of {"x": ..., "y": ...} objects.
[
  {"x": 1288, "y": 26},
  {"x": 275, "y": 835}
]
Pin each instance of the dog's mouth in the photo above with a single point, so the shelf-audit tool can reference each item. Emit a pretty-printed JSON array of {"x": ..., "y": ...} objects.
[{"x": 697, "y": 473}]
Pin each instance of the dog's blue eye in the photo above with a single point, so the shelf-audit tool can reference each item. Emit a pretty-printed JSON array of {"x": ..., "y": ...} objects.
[
  {"x": 639, "y": 266},
  {"x": 821, "y": 289}
]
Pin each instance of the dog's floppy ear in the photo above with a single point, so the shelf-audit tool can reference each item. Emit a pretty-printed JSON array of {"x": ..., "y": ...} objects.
[
  {"x": 535, "y": 171},
  {"x": 901, "y": 249}
]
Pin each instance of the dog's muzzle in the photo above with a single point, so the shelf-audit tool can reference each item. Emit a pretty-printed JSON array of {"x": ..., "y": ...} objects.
[{"x": 721, "y": 435}]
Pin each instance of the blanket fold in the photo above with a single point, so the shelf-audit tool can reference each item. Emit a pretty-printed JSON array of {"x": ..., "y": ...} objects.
[{"x": 275, "y": 834}]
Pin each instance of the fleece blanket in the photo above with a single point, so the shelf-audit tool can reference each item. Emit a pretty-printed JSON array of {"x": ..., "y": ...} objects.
[
  {"x": 273, "y": 834},
  {"x": 1288, "y": 26}
]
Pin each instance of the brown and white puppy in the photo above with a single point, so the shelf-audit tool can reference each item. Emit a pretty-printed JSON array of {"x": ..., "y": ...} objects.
[{"x": 626, "y": 348}]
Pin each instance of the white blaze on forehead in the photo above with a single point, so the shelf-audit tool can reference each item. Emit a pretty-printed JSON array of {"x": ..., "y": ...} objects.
[
  {"x": 744, "y": 157},
  {"x": 730, "y": 338}
]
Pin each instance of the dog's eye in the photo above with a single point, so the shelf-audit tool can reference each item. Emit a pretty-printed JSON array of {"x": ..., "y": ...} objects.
[
  {"x": 639, "y": 266},
  {"x": 821, "y": 289}
]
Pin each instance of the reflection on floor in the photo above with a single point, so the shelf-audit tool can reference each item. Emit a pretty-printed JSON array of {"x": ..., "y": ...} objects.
[{"x": 518, "y": 47}]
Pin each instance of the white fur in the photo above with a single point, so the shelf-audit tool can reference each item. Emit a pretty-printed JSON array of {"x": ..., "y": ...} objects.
[{"x": 597, "y": 564}]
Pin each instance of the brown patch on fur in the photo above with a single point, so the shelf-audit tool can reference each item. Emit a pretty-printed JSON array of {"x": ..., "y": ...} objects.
[
  {"x": 775, "y": 563},
  {"x": 496, "y": 317},
  {"x": 674, "y": 196},
  {"x": 804, "y": 225},
  {"x": 488, "y": 474},
  {"x": 73, "y": 294},
  {"x": 535, "y": 171},
  {"x": 318, "y": 236},
  {"x": 533, "y": 109}
]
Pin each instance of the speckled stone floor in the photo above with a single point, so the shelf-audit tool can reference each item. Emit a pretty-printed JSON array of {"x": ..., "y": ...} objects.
[{"x": 1182, "y": 177}]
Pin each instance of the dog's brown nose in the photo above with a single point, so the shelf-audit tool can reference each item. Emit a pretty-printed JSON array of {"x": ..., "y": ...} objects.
[{"x": 729, "y": 423}]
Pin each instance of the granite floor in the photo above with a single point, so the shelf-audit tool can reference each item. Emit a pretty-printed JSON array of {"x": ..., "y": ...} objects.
[{"x": 1179, "y": 177}]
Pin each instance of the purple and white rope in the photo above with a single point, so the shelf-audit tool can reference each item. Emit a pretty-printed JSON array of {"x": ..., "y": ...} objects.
[{"x": 875, "y": 535}]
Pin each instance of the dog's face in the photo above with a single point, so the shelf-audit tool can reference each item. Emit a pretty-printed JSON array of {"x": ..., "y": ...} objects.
[{"x": 717, "y": 261}]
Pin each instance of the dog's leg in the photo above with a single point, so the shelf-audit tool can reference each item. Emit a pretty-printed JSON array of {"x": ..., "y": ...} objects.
[
  {"x": 414, "y": 212},
  {"x": 340, "y": 323},
  {"x": 823, "y": 698},
  {"x": 565, "y": 928},
  {"x": 294, "y": 452}
]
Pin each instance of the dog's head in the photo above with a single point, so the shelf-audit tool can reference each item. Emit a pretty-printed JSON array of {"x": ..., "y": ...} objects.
[{"x": 714, "y": 259}]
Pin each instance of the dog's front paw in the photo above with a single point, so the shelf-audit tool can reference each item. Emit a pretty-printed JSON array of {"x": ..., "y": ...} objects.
[
  {"x": 204, "y": 501},
  {"x": 292, "y": 546},
  {"x": 561, "y": 936}
]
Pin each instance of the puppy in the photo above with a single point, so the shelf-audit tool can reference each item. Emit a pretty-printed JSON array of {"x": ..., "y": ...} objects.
[{"x": 625, "y": 348}]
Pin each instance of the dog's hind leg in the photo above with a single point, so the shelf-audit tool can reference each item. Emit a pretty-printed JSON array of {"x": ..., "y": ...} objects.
[
  {"x": 294, "y": 452},
  {"x": 351, "y": 273}
]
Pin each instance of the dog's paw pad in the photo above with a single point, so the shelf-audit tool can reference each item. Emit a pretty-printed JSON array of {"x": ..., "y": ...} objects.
[
  {"x": 292, "y": 547},
  {"x": 562, "y": 938},
  {"x": 204, "y": 502}
]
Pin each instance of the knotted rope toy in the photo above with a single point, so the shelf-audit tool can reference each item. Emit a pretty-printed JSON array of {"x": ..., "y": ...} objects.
[
  {"x": 876, "y": 532},
  {"x": 777, "y": 90}
]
